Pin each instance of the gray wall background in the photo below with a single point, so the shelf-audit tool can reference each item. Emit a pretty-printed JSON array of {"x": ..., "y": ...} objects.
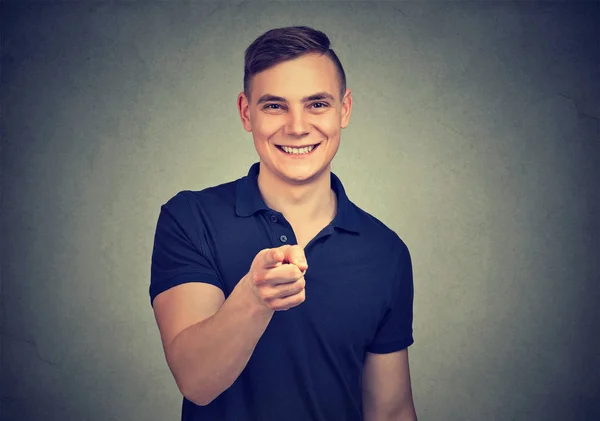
[{"x": 474, "y": 135}]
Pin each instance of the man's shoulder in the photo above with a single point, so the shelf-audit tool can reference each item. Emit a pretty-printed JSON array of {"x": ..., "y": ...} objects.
[
  {"x": 372, "y": 226},
  {"x": 210, "y": 197}
]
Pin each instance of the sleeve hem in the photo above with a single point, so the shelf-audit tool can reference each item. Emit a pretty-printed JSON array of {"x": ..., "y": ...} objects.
[
  {"x": 156, "y": 289},
  {"x": 391, "y": 347}
]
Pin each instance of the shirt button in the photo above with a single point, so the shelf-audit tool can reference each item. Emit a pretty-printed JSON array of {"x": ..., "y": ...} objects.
[
  {"x": 274, "y": 218},
  {"x": 283, "y": 238}
]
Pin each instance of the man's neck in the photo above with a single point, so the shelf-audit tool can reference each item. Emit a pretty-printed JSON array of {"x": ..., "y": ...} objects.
[{"x": 300, "y": 203}]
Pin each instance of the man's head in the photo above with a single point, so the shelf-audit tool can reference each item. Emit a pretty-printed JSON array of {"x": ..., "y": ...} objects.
[
  {"x": 294, "y": 96},
  {"x": 282, "y": 44}
]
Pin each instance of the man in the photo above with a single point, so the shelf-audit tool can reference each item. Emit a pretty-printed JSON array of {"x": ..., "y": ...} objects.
[{"x": 276, "y": 297}]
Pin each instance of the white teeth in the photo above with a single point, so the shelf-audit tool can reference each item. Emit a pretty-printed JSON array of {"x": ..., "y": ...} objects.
[{"x": 297, "y": 151}]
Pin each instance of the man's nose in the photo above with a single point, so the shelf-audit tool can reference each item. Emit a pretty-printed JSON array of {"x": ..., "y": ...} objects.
[{"x": 296, "y": 124}]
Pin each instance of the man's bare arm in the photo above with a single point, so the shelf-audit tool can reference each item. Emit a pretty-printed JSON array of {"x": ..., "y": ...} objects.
[
  {"x": 387, "y": 392},
  {"x": 206, "y": 357},
  {"x": 209, "y": 340}
]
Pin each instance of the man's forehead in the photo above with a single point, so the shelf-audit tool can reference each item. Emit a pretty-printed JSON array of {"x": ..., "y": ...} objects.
[{"x": 297, "y": 79}]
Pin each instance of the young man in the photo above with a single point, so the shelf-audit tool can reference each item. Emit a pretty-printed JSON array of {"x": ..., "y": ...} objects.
[{"x": 276, "y": 297}]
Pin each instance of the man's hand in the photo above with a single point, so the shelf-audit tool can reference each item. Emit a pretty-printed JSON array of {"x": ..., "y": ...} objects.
[{"x": 276, "y": 277}]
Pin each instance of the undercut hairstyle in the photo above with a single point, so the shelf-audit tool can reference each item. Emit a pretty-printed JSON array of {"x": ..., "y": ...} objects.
[{"x": 282, "y": 44}]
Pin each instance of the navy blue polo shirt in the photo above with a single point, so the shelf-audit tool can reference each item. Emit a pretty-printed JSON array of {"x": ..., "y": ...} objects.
[{"x": 308, "y": 363}]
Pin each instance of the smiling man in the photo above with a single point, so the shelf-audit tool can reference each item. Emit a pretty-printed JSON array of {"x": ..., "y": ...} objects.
[{"x": 276, "y": 297}]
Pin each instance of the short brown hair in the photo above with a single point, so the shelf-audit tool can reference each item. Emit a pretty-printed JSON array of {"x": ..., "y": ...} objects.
[{"x": 282, "y": 44}]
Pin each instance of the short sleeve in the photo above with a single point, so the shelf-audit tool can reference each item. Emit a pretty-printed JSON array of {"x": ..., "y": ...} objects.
[
  {"x": 395, "y": 330},
  {"x": 177, "y": 256}
]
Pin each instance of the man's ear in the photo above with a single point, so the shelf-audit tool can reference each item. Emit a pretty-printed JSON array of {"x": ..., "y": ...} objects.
[
  {"x": 346, "y": 108},
  {"x": 244, "y": 110}
]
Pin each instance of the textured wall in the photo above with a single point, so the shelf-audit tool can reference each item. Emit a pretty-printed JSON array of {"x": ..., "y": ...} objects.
[{"x": 475, "y": 135}]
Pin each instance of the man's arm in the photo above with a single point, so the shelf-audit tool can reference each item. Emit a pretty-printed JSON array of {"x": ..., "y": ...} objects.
[
  {"x": 387, "y": 393},
  {"x": 208, "y": 340}
]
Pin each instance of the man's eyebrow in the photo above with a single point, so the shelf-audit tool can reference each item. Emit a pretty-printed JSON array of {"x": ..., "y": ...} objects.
[
  {"x": 319, "y": 96},
  {"x": 269, "y": 98},
  {"x": 314, "y": 97}
]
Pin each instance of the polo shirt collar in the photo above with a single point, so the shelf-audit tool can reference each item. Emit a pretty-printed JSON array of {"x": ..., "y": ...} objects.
[{"x": 248, "y": 200}]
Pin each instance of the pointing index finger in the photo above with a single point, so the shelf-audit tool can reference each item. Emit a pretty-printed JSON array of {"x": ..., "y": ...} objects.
[
  {"x": 296, "y": 256},
  {"x": 273, "y": 257}
]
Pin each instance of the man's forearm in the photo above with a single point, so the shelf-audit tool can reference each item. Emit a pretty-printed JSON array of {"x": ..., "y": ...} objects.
[
  {"x": 408, "y": 415},
  {"x": 404, "y": 413},
  {"x": 206, "y": 358}
]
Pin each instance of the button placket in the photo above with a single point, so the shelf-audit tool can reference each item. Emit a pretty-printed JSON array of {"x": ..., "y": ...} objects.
[{"x": 282, "y": 238}]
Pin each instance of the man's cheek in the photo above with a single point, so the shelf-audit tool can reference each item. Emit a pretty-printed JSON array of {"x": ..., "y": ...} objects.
[
  {"x": 270, "y": 127},
  {"x": 329, "y": 126}
]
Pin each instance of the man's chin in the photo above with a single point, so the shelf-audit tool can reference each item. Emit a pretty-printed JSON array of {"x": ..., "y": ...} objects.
[{"x": 302, "y": 177}]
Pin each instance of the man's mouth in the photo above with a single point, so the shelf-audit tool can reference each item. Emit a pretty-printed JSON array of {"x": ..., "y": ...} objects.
[{"x": 298, "y": 151}]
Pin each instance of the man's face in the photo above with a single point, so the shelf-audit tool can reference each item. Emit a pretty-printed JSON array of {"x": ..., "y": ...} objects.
[{"x": 296, "y": 104}]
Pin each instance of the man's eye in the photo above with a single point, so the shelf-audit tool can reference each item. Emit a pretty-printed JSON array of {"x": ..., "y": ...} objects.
[
  {"x": 319, "y": 104},
  {"x": 272, "y": 107}
]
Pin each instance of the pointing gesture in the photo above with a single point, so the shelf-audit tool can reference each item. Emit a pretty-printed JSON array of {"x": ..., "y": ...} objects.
[{"x": 276, "y": 277}]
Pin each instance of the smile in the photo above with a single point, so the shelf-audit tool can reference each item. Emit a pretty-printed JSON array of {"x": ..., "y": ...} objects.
[{"x": 297, "y": 151}]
